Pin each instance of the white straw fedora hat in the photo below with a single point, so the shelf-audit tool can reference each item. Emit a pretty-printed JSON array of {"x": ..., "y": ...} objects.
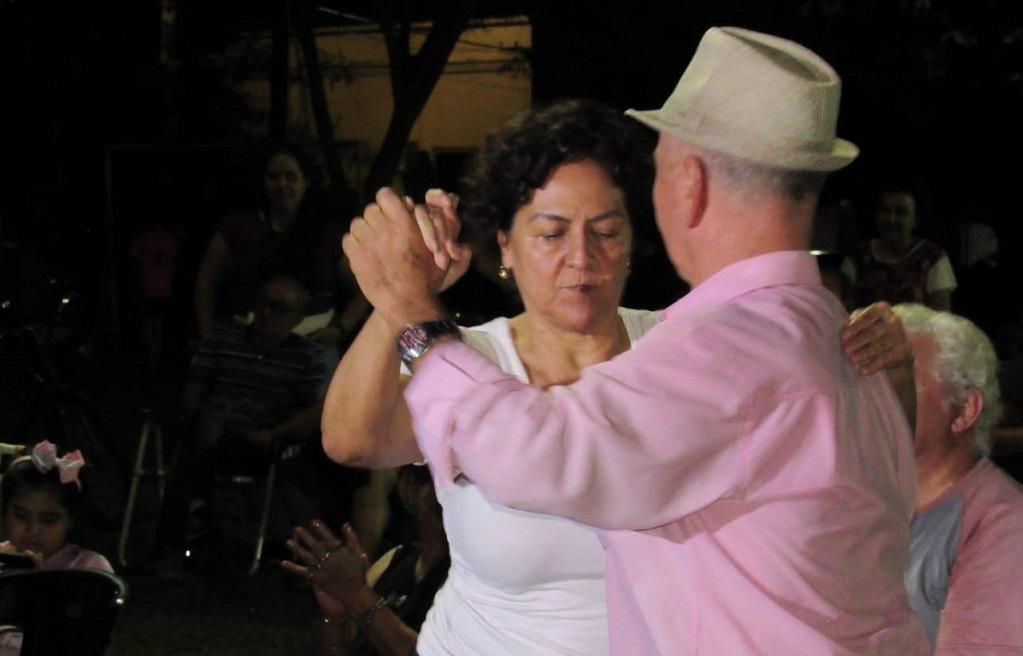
[{"x": 757, "y": 97}]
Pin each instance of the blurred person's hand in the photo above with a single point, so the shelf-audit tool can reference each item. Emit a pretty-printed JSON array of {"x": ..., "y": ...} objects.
[
  {"x": 874, "y": 339},
  {"x": 336, "y": 569},
  {"x": 440, "y": 227},
  {"x": 36, "y": 557}
]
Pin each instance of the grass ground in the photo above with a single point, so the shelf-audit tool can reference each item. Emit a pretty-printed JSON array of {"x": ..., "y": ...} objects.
[
  {"x": 214, "y": 614},
  {"x": 216, "y": 609}
]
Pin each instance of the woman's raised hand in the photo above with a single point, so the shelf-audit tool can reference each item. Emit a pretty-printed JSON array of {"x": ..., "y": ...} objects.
[{"x": 438, "y": 222}]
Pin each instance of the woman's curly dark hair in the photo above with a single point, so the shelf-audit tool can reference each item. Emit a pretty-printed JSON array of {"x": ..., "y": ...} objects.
[{"x": 517, "y": 160}]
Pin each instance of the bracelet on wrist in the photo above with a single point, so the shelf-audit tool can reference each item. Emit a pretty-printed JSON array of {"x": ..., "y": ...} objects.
[{"x": 367, "y": 615}]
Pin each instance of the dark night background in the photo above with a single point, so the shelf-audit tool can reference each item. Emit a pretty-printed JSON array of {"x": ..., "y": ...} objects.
[{"x": 932, "y": 93}]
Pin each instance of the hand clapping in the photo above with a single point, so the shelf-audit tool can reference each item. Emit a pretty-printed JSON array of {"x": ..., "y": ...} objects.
[{"x": 337, "y": 569}]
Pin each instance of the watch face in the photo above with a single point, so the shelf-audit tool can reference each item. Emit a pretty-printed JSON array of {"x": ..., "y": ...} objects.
[
  {"x": 417, "y": 337},
  {"x": 413, "y": 341}
]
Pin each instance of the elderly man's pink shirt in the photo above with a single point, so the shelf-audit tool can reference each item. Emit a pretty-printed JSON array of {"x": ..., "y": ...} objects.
[{"x": 752, "y": 490}]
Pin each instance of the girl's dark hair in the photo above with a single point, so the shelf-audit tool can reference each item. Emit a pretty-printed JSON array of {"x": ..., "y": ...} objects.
[
  {"x": 22, "y": 475},
  {"x": 518, "y": 159}
]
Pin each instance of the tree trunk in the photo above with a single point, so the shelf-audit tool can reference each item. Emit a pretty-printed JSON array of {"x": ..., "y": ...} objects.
[
  {"x": 279, "y": 73},
  {"x": 321, "y": 113},
  {"x": 412, "y": 82}
]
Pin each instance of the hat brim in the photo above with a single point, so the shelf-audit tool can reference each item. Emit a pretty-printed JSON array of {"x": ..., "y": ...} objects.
[{"x": 778, "y": 154}]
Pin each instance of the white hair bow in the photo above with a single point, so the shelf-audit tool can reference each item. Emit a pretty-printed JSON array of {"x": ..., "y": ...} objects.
[{"x": 44, "y": 457}]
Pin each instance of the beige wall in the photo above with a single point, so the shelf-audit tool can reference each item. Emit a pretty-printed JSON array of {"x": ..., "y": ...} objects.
[{"x": 486, "y": 81}]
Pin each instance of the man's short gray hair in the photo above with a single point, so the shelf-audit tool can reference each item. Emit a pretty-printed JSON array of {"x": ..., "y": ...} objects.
[
  {"x": 752, "y": 180},
  {"x": 965, "y": 359}
]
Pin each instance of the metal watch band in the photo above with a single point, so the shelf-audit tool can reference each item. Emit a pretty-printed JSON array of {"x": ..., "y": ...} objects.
[{"x": 416, "y": 339}]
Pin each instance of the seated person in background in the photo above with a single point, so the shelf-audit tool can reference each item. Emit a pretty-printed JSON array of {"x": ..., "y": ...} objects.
[
  {"x": 899, "y": 267},
  {"x": 41, "y": 499},
  {"x": 310, "y": 486},
  {"x": 966, "y": 546},
  {"x": 293, "y": 232},
  {"x": 378, "y": 611},
  {"x": 260, "y": 384}
]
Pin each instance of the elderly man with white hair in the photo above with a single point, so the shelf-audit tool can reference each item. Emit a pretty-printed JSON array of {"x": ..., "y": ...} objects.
[{"x": 967, "y": 530}]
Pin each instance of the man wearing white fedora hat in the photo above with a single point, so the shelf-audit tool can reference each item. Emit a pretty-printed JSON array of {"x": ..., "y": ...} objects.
[{"x": 752, "y": 490}]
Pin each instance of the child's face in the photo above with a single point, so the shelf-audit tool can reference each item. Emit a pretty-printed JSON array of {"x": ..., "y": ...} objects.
[{"x": 36, "y": 521}]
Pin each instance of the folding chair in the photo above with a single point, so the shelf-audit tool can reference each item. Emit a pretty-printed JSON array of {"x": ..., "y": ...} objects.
[
  {"x": 61, "y": 611},
  {"x": 250, "y": 475},
  {"x": 261, "y": 472},
  {"x": 151, "y": 429}
]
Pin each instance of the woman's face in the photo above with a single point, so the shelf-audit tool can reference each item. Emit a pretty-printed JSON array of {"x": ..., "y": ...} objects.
[
  {"x": 568, "y": 247},
  {"x": 284, "y": 183},
  {"x": 36, "y": 521}
]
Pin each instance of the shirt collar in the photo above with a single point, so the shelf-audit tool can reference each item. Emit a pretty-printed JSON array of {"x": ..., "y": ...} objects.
[{"x": 767, "y": 270}]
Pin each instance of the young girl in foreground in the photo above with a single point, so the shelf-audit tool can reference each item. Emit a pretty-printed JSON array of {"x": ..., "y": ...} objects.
[{"x": 41, "y": 496}]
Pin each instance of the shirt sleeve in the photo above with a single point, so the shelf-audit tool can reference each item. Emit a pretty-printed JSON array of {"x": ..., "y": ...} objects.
[
  {"x": 633, "y": 444},
  {"x": 941, "y": 276},
  {"x": 94, "y": 560},
  {"x": 982, "y": 614},
  {"x": 317, "y": 374}
]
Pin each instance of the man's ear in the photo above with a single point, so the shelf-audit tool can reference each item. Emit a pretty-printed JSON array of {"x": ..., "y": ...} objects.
[
  {"x": 691, "y": 178},
  {"x": 969, "y": 411}
]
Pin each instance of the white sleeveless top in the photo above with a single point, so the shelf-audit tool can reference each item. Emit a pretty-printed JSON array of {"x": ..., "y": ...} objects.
[{"x": 521, "y": 583}]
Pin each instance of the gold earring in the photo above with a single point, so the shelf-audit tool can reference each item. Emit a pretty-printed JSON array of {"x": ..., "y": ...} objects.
[{"x": 503, "y": 273}]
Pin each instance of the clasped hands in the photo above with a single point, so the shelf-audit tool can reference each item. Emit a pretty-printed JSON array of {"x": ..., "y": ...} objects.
[{"x": 403, "y": 255}]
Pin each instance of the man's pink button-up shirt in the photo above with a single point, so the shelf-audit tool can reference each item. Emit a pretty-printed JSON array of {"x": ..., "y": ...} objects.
[{"x": 752, "y": 490}]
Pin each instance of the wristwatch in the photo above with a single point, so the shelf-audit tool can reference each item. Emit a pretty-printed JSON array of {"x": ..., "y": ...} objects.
[{"x": 416, "y": 338}]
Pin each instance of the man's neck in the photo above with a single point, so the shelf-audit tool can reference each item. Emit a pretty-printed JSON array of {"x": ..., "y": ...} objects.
[{"x": 735, "y": 230}]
